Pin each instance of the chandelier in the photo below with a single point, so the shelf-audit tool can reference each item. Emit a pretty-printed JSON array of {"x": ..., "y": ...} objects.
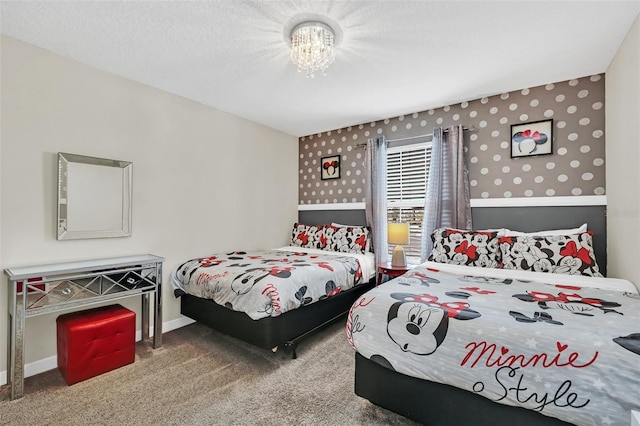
[{"x": 312, "y": 47}]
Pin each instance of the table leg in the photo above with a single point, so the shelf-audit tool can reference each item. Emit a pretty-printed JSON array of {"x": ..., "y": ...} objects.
[
  {"x": 15, "y": 359},
  {"x": 144, "y": 321},
  {"x": 157, "y": 309}
]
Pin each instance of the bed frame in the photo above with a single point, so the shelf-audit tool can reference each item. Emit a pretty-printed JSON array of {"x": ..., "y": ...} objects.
[
  {"x": 438, "y": 404},
  {"x": 284, "y": 331}
]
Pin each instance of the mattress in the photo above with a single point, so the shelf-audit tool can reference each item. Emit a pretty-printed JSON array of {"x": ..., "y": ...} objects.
[
  {"x": 269, "y": 283},
  {"x": 367, "y": 261},
  {"x": 565, "y": 346}
]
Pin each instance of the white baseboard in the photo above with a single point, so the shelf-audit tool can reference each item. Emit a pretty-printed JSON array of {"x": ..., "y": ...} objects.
[
  {"x": 50, "y": 363},
  {"x": 175, "y": 324}
]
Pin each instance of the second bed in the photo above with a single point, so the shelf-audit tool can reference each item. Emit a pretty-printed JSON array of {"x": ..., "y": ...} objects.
[{"x": 273, "y": 298}]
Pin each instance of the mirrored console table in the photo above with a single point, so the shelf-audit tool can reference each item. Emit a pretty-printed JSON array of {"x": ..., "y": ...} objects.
[{"x": 45, "y": 289}]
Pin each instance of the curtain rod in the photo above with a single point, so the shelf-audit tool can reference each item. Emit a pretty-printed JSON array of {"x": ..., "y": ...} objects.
[
  {"x": 471, "y": 129},
  {"x": 363, "y": 145}
]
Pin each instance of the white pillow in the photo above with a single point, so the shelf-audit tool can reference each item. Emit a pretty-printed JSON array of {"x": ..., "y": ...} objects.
[
  {"x": 339, "y": 225},
  {"x": 510, "y": 233},
  {"x": 501, "y": 231}
]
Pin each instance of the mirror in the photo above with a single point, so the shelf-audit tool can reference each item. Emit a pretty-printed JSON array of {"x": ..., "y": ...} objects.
[{"x": 94, "y": 197}]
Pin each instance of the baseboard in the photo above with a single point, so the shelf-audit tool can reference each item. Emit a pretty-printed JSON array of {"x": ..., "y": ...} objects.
[
  {"x": 46, "y": 364},
  {"x": 174, "y": 324}
]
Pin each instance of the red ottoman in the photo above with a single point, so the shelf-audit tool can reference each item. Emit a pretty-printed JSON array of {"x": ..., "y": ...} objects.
[{"x": 95, "y": 341}]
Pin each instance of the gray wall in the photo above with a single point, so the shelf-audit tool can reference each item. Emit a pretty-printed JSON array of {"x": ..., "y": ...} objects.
[{"x": 576, "y": 167}]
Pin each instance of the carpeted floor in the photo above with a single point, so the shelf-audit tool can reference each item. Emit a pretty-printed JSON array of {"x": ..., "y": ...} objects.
[{"x": 201, "y": 377}]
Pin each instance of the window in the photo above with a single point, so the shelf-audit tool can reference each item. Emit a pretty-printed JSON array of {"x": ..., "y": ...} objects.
[{"x": 407, "y": 171}]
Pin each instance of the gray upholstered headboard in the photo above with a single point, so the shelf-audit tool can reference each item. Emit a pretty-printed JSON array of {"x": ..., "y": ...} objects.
[
  {"x": 526, "y": 219},
  {"x": 531, "y": 219},
  {"x": 344, "y": 217}
]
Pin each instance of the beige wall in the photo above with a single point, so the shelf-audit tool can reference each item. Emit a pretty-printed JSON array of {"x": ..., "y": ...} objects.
[
  {"x": 623, "y": 158},
  {"x": 203, "y": 180}
]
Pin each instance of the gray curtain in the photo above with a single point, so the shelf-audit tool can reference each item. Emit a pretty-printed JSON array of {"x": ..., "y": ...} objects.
[
  {"x": 376, "y": 195},
  {"x": 447, "y": 200}
]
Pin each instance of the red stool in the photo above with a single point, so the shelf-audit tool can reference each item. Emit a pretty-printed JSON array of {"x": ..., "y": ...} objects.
[{"x": 95, "y": 341}]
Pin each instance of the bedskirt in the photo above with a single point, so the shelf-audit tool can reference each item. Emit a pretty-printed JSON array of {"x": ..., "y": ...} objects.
[
  {"x": 437, "y": 404},
  {"x": 270, "y": 332}
]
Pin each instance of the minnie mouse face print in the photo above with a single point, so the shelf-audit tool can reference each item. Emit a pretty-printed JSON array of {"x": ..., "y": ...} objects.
[
  {"x": 244, "y": 282},
  {"x": 485, "y": 280},
  {"x": 190, "y": 267},
  {"x": 570, "y": 302},
  {"x": 419, "y": 323},
  {"x": 415, "y": 278},
  {"x": 417, "y": 328}
]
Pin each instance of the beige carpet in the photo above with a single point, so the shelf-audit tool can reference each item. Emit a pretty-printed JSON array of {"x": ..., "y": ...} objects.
[{"x": 200, "y": 377}]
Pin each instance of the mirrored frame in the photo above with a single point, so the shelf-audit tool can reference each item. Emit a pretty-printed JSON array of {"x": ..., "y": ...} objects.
[{"x": 94, "y": 197}]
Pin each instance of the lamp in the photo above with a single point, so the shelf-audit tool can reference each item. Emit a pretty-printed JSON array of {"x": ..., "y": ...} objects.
[
  {"x": 312, "y": 47},
  {"x": 398, "y": 233}
]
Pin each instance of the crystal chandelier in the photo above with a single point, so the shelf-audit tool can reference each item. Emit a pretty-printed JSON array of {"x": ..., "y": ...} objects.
[{"x": 312, "y": 47}]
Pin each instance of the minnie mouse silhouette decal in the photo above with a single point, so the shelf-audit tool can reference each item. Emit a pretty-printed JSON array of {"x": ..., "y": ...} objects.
[
  {"x": 534, "y": 138},
  {"x": 330, "y": 167},
  {"x": 527, "y": 136}
]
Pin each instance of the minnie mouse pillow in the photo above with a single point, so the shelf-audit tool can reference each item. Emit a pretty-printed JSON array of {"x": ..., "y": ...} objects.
[
  {"x": 559, "y": 254},
  {"x": 458, "y": 247},
  {"x": 347, "y": 239},
  {"x": 308, "y": 236}
]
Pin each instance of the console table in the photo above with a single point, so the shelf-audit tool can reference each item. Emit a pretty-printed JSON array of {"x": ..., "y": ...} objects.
[{"x": 45, "y": 289}]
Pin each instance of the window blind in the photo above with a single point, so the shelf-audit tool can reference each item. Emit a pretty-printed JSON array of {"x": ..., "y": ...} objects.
[{"x": 407, "y": 172}]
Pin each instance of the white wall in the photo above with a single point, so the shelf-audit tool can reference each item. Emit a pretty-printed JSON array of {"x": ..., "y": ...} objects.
[
  {"x": 203, "y": 180},
  {"x": 623, "y": 158}
]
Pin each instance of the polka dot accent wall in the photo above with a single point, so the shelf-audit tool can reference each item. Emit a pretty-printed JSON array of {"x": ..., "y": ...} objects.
[{"x": 575, "y": 167}]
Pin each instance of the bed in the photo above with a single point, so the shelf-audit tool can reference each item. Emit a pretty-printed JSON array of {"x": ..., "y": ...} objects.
[
  {"x": 535, "y": 337},
  {"x": 274, "y": 298}
]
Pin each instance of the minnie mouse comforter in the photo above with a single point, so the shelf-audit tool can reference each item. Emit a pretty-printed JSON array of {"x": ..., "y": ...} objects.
[
  {"x": 559, "y": 347},
  {"x": 267, "y": 283}
]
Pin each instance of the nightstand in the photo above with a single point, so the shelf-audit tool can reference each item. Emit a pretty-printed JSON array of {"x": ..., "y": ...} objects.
[{"x": 391, "y": 271}]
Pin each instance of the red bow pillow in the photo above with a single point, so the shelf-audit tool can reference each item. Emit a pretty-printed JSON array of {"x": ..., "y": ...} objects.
[
  {"x": 561, "y": 254},
  {"x": 308, "y": 236},
  {"x": 454, "y": 246}
]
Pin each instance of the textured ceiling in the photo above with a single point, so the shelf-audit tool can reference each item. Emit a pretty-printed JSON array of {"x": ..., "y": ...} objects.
[{"x": 392, "y": 58}]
